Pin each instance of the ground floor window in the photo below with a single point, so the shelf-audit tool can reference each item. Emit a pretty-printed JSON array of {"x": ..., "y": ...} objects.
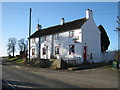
[
  {"x": 33, "y": 51},
  {"x": 44, "y": 50},
  {"x": 56, "y": 50},
  {"x": 71, "y": 49}
]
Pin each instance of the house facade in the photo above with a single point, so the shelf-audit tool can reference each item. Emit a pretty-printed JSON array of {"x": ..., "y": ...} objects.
[{"x": 76, "y": 40}]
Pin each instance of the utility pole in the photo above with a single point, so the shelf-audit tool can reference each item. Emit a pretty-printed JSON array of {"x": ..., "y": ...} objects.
[
  {"x": 29, "y": 31},
  {"x": 39, "y": 41}
]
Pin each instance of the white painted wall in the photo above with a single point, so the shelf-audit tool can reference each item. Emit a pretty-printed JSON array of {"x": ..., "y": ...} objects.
[
  {"x": 63, "y": 42},
  {"x": 88, "y": 34},
  {"x": 34, "y": 44},
  {"x": 44, "y": 44},
  {"x": 91, "y": 36},
  {"x": 108, "y": 56}
]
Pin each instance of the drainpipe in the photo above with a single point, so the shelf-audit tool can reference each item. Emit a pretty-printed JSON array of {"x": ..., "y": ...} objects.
[
  {"x": 39, "y": 48},
  {"x": 52, "y": 46}
]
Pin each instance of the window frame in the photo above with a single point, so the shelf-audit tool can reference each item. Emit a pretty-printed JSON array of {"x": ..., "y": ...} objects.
[
  {"x": 33, "y": 51},
  {"x": 57, "y": 50},
  {"x": 44, "y": 51},
  {"x": 33, "y": 40},
  {"x": 56, "y": 36},
  {"x": 71, "y": 51},
  {"x": 45, "y": 38},
  {"x": 71, "y": 34}
]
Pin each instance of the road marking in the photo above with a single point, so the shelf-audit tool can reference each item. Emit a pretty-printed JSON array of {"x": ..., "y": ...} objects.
[
  {"x": 10, "y": 85},
  {"x": 16, "y": 86}
]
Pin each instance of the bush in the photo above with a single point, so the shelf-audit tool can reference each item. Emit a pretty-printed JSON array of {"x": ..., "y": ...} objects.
[{"x": 117, "y": 56}]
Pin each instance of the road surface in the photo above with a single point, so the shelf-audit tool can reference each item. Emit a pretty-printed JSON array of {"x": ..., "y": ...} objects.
[{"x": 21, "y": 77}]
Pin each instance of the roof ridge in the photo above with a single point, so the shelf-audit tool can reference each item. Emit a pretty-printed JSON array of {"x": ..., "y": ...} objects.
[
  {"x": 65, "y": 23},
  {"x": 75, "y": 24}
]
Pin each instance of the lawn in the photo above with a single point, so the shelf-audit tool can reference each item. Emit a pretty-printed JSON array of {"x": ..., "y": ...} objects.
[
  {"x": 108, "y": 66},
  {"x": 13, "y": 58},
  {"x": 17, "y": 60}
]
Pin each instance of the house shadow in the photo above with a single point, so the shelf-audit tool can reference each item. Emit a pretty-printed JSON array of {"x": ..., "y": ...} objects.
[
  {"x": 18, "y": 85},
  {"x": 92, "y": 66},
  {"x": 9, "y": 62}
]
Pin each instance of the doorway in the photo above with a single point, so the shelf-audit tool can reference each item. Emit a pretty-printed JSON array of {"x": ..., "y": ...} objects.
[{"x": 85, "y": 53}]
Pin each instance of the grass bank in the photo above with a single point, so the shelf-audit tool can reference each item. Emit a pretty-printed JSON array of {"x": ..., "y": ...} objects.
[{"x": 17, "y": 60}]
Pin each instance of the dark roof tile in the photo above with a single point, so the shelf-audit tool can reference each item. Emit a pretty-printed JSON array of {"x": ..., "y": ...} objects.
[{"x": 60, "y": 28}]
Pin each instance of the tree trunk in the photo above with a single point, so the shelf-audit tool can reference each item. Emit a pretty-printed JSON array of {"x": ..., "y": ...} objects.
[
  {"x": 13, "y": 50},
  {"x": 24, "y": 48}
]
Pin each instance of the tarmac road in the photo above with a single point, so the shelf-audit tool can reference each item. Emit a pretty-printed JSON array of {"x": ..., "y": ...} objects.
[{"x": 20, "y": 77}]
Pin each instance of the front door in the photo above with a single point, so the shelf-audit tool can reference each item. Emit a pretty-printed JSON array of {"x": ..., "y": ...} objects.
[
  {"x": 85, "y": 53},
  {"x": 46, "y": 52}
]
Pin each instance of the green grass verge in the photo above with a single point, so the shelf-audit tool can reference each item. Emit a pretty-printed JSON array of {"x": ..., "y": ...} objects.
[
  {"x": 16, "y": 60},
  {"x": 13, "y": 58},
  {"x": 3, "y": 57},
  {"x": 109, "y": 66},
  {"x": 19, "y": 61}
]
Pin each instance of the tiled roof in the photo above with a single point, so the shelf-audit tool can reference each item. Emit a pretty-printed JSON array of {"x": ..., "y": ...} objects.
[{"x": 76, "y": 24}]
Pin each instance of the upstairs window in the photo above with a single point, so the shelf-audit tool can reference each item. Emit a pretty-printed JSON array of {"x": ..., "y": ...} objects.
[
  {"x": 71, "y": 49},
  {"x": 44, "y": 51},
  {"x": 45, "y": 38},
  {"x": 56, "y": 36},
  {"x": 71, "y": 34},
  {"x": 33, "y": 51},
  {"x": 33, "y": 40},
  {"x": 56, "y": 50}
]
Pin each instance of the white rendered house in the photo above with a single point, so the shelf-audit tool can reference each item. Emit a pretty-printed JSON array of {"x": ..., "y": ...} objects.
[{"x": 76, "y": 40}]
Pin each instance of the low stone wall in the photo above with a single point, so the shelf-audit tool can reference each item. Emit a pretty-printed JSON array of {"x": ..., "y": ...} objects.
[
  {"x": 50, "y": 63},
  {"x": 43, "y": 63},
  {"x": 72, "y": 63},
  {"x": 55, "y": 64}
]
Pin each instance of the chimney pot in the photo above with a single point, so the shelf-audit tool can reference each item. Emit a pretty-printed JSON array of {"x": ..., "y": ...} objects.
[
  {"x": 89, "y": 14},
  {"x": 38, "y": 27},
  {"x": 62, "y": 21}
]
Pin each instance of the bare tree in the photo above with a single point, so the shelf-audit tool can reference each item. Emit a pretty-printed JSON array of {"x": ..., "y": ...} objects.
[
  {"x": 117, "y": 56},
  {"x": 118, "y": 28},
  {"x": 22, "y": 45},
  {"x": 11, "y": 45}
]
